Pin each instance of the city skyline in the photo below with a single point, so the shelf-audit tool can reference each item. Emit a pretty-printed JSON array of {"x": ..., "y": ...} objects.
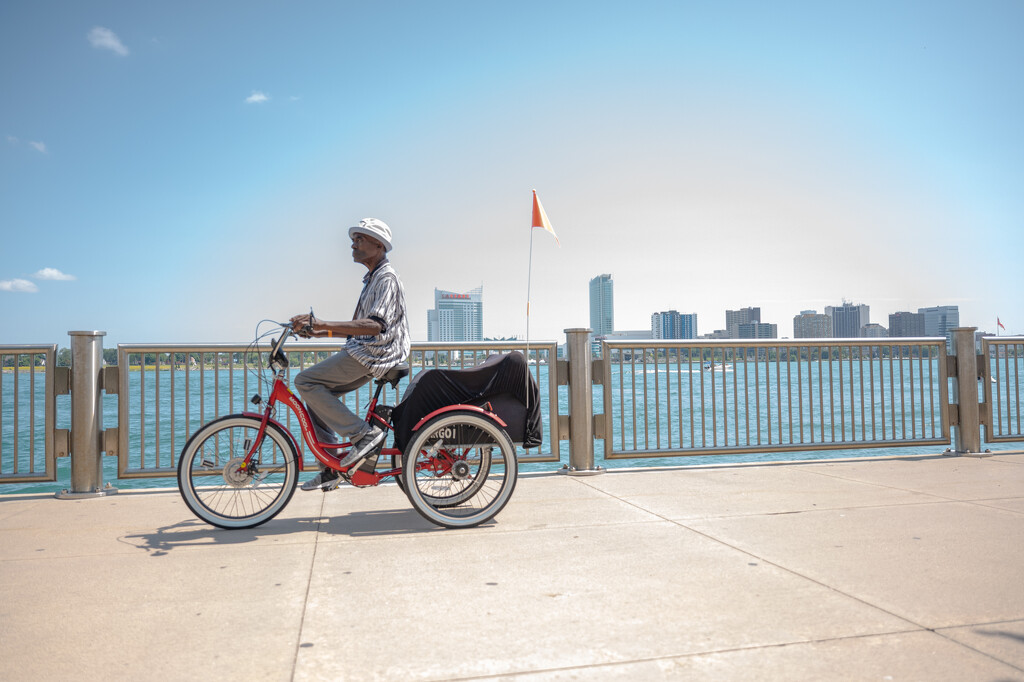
[
  {"x": 741, "y": 323},
  {"x": 177, "y": 173}
]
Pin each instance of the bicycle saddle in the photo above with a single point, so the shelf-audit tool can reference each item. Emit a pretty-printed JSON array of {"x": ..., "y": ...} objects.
[{"x": 396, "y": 374}]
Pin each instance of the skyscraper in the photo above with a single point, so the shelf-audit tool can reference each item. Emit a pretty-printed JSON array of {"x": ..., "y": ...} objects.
[
  {"x": 906, "y": 324},
  {"x": 671, "y": 324},
  {"x": 456, "y": 317},
  {"x": 734, "y": 318},
  {"x": 940, "y": 321},
  {"x": 847, "y": 319},
  {"x": 602, "y": 307},
  {"x": 873, "y": 330},
  {"x": 758, "y": 330},
  {"x": 811, "y": 325}
]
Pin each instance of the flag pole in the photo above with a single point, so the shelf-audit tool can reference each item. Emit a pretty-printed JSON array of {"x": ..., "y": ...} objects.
[
  {"x": 529, "y": 276},
  {"x": 540, "y": 219}
]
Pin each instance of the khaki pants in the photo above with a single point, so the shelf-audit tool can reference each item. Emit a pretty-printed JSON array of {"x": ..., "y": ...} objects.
[{"x": 322, "y": 385}]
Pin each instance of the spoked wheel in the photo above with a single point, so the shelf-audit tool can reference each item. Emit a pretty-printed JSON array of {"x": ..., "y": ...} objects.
[
  {"x": 460, "y": 470},
  {"x": 217, "y": 485}
]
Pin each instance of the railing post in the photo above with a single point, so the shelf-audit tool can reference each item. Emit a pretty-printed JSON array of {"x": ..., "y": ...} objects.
[
  {"x": 581, "y": 404},
  {"x": 968, "y": 432},
  {"x": 86, "y": 417}
]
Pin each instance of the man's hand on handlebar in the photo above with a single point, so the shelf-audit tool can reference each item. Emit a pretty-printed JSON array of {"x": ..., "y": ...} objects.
[
  {"x": 308, "y": 326},
  {"x": 302, "y": 325}
]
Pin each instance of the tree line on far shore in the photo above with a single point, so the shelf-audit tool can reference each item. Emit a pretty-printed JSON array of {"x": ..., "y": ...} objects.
[{"x": 63, "y": 358}]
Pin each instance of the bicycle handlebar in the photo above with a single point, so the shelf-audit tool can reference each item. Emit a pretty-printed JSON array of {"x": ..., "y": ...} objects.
[
  {"x": 287, "y": 329},
  {"x": 275, "y": 351}
]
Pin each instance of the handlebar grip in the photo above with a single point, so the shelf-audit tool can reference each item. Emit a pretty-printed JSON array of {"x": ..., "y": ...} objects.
[{"x": 307, "y": 329}]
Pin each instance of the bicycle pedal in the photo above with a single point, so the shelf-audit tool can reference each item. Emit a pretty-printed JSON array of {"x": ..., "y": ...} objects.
[
  {"x": 368, "y": 464},
  {"x": 353, "y": 468}
]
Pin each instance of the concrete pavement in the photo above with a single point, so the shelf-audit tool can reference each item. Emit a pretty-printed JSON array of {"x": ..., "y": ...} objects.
[{"x": 895, "y": 569}]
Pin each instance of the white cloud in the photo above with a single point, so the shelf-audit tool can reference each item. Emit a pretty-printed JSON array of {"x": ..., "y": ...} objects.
[
  {"x": 22, "y": 286},
  {"x": 257, "y": 97},
  {"x": 38, "y": 146},
  {"x": 105, "y": 39},
  {"x": 54, "y": 274}
]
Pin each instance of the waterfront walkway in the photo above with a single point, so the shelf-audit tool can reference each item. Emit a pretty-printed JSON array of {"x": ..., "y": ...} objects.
[{"x": 899, "y": 569}]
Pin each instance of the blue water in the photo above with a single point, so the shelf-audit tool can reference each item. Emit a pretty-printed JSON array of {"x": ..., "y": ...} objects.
[{"x": 190, "y": 399}]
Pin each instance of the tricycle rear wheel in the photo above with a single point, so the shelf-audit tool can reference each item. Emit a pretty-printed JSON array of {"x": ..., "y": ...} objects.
[{"x": 460, "y": 469}]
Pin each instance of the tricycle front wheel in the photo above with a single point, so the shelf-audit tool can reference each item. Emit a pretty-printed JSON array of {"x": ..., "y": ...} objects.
[{"x": 221, "y": 489}]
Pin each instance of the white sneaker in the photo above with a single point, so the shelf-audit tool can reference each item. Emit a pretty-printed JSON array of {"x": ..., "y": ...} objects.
[
  {"x": 363, "y": 447},
  {"x": 328, "y": 479}
]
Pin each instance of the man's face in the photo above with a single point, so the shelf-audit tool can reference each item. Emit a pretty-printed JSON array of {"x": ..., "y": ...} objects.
[{"x": 365, "y": 249}]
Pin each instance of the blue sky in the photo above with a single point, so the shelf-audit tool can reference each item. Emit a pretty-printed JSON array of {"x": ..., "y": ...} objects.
[{"x": 179, "y": 171}]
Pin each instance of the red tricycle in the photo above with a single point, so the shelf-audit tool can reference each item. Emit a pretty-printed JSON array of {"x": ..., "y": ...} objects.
[{"x": 458, "y": 467}]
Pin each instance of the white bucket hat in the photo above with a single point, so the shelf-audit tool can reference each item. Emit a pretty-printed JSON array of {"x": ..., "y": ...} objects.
[{"x": 375, "y": 228}]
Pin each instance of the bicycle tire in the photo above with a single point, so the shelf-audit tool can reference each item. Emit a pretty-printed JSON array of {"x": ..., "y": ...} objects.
[
  {"x": 460, "y": 470},
  {"x": 396, "y": 462},
  {"x": 219, "y": 492}
]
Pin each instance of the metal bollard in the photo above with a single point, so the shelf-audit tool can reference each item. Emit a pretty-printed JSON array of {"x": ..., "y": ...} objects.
[
  {"x": 86, "y": 418},
  {"x": 968, "y": 431},
  {"x": 581, "y": 404}
]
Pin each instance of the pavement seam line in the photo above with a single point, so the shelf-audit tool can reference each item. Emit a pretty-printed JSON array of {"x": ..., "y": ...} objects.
[
  {"x": 943, "y": 498},
  {"x": 709, "y": 652},
  {"x": 965, "y": 645},
  {"x": 780, "y": 567},
  {"x": 918, "y": 627},
  {"x": 309, "y": 585}
]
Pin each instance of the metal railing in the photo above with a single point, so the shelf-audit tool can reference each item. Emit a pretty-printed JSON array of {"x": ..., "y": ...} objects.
[
  {"x": 28, "y": 412},
  {"x": 678, "y": 398},
  {"x": 666, "y": 398},
  {"x": 167, "y": 392},
  {"x": 1001, "y": 365}
]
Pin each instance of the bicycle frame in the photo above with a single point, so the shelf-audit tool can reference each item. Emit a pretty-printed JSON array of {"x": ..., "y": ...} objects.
[{"x": 281, "y": 393}]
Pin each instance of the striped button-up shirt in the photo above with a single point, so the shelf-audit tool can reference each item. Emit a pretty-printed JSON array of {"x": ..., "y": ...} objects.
[{"x": 383, "y": 301}]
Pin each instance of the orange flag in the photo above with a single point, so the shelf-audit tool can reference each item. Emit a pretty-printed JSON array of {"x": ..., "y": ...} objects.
[{"x": 540, "y": 218}]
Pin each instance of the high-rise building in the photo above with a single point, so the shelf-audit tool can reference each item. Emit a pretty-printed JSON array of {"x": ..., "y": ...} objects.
[
  {"x": 671, "y": 324},
  {"x": 456, "y": 317},
  {"x": 873, "y": 331},
  {"x": 809, "y": 324},
  {"x": 847, "y": 319},
  {"x": 665, "y": 325},
  {"x": 734, "y": 318},
  {"x": 940, "y": 321},
  {"x": 906, "y": 324},
  {"x": 602, "y": 307},
  {"x": 757, "y": 330}
]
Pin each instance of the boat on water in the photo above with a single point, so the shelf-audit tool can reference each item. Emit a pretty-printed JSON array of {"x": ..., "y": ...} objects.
[{"x": 717, "y": 367}]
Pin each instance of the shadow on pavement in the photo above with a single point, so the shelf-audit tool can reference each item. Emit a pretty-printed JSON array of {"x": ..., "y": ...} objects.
[{"x": 196, "y": 533}]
